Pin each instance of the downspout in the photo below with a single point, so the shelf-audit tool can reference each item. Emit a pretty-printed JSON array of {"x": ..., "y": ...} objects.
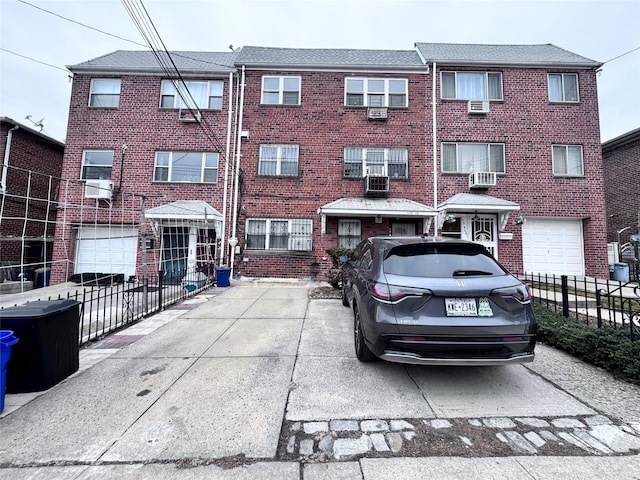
[
  {"x": 5, "y": 163},
  {"x": 234, "y": 242},
  {"x": 435, "y": 148},
  {"x": 223, "y": 233}
]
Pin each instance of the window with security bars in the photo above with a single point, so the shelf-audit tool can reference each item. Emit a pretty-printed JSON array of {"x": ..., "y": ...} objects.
[
  {"x": 278, "y": 160},
  {"x": 279, "y": 234},
  {"x": 349, "y": 233},
  {"x": 473, "y": 157},
  {"x": 363, "y": 161}
]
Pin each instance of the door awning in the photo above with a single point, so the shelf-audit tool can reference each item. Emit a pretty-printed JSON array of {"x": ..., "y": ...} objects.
[
  {"x": 187, "y": 213},
  {"x": 478, "y": 203},
  {"x": 377, "y": 207}
]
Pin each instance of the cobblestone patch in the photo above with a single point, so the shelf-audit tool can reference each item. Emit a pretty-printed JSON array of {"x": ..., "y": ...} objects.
[{"x": 342, "y": 439}]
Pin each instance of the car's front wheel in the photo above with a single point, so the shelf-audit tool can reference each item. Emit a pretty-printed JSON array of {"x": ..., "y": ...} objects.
[{"x": 362, "y": 351}]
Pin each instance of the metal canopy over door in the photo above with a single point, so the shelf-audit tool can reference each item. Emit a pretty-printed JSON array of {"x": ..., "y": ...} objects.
[
  {"x": 553, "y": 246},
  {"x": 106, "y": 250}
]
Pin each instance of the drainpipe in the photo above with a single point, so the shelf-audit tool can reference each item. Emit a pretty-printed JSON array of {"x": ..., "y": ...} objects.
[
  {"x": 223, "y": 233},
  {"x": 5, "y": 163},
  {"x": 435, "y": 148},
  {"x": 233, "y": 241}
]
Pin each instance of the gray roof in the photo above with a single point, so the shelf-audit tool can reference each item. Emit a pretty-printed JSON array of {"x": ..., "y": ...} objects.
[
  {"x": 480, "y": 202},
  {"x": 328, "y": 58},
  {"x": 521, "y": 55},
  {"x": 129, "y": 61}
]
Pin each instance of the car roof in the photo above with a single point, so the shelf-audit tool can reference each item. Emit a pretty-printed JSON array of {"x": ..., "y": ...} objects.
[{"x": 390, "y": 242}]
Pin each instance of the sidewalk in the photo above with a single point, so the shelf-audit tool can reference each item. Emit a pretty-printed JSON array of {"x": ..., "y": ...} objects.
[{"x": 219, "y": 385}]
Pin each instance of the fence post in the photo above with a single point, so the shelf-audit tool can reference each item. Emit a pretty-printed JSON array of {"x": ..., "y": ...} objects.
[
  {"x": 160, "y": 280},
  {"x": 599, "y": 307},
  {"x": 565, "y": 296}
]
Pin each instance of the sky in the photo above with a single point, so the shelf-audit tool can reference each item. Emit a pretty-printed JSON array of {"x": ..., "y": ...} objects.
[{"x": 36, "y": 46}]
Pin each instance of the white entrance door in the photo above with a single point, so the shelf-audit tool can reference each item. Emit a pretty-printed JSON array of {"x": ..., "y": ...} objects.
[
  {"x": 553, "y": 246},
  {"x": 476, "y": 228},
  {"x": 106, "y": 250}
]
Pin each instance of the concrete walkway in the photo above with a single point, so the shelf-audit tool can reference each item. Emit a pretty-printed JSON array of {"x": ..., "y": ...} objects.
[{"x": 260, "y": 381}]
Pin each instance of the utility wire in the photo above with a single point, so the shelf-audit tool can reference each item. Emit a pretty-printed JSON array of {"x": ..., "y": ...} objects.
[
  {"x": 34, "y": 60},
  {"x": 621, "y": 55}
]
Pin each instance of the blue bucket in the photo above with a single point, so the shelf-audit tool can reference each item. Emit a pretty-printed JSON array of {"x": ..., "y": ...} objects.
[{"x": 7, "y": 339}]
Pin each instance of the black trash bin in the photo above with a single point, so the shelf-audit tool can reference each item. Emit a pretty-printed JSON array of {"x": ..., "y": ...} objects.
[{"x": 49, "y": 349}]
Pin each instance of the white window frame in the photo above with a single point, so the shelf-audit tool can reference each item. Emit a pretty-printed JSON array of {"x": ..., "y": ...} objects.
[
  {"x": 213, "y": 157},
  {"x": 349, "y": 240},
  {"x": 213, "y": 89},
  {"x": 459, "y": 168},
  {"x": 102, "y": 88},
  {"x": 299, "y": 234},
  {"x": 279, "y": 159},
  {"x": 374, "y": 168},
  {"x": 458, "y": 95},
  {"x": 555, "y": 149},
  {"x": 563, "y": 91},
  {"x": 281, "y": 91},
  {"x": 368, "y": 90},
  {"x": 85, "y": 165}
]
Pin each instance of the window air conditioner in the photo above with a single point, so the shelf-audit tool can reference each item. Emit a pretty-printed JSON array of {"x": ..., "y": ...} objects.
[
  {"x": 482, "y": 179},
  {"x": 376, "y": 113},
  {"x": 101, "y": 189},
  {"x": 478, "y": 106},
  {"x": 188, "y": 116},
  {"x": 376, "y": 185}
]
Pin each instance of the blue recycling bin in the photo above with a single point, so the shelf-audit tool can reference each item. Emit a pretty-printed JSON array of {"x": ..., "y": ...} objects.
[
  {"x": 7, "y": 339},
  {"x": 222, "y": 276},
  {"x": 621, "y": 272}
]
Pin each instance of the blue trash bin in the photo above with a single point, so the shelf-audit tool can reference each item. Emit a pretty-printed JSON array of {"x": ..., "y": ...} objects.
[
  {"x": 621, "y": 272},
  {"x": 7, "y": 338},
  {"x": 222, "y": 276}
]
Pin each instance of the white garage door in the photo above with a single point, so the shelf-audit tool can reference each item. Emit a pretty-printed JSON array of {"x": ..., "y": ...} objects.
[
  {"x": 553, "y": 246},
  {"x": 107, "y": 250}
]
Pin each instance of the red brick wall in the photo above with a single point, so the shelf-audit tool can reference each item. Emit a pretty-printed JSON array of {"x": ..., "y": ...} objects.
[{"x": 622, "y": 188}]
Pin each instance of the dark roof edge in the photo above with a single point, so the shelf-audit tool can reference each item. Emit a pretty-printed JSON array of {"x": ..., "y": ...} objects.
[
  {"x": 621, "y": 139},
  {"x": 146, "y": 71},
  {"x": 32, "y": 131}
]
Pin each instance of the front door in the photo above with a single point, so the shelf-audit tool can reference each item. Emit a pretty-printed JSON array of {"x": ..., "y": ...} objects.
[{"x": 476, "y": 228}]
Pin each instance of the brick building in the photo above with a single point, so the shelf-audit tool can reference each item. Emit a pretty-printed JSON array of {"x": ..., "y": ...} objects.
[
  {"x": 29, "y": 181},
  {"x": 492, "y": 143}
]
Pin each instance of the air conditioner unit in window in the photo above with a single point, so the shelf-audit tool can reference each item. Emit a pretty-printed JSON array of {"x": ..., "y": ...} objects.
[
  {"x": 376, "y": 185},
  {"x": 100, "y": 189},
  {"x": 482, "y": 179},
  {"x": 189, "y": 116},
  {"x": 377, "y": 113},
  {"x": 478, "y": 106},
  {"x": 300, "y": 243}
]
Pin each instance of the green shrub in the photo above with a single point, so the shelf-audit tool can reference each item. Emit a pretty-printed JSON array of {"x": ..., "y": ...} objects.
[
  {"x": 608, "y": 348},
  {"x": 336, "y": 252}
]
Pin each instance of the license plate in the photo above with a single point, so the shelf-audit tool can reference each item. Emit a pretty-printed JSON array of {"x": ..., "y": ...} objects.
[{"x": 461, "y": 307}]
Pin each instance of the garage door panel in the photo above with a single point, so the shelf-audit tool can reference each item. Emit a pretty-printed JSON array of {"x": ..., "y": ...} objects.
[
  {"x": 105, "y": 250},
  {"x": 553, "y": 246}
]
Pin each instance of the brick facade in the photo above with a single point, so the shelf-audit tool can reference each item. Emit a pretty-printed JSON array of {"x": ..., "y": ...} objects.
[{"x": 525, "y": 121}]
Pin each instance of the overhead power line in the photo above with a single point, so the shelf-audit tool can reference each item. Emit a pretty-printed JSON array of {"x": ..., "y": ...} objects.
[
  {"x": 621, "y": 55},
  {"x": 34, "y": 60}
]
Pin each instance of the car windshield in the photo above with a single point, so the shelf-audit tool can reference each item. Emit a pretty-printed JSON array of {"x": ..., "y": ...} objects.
[{"x": 441, "y": 261}]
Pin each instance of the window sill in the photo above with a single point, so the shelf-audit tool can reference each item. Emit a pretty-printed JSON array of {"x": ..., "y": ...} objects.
[
  {"x": 558, "y": 175},
  {"x": 280, "y": 104},
  {"x": 560, "y": 102}
]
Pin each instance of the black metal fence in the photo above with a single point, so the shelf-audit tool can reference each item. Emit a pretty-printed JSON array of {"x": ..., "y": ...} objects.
[
  {"x": 109, "y": 304},
  {"x": 592, "y": 301}
]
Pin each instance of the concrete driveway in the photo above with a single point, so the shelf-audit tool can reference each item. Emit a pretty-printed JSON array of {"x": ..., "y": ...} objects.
[{"x": 260, "y": 381}]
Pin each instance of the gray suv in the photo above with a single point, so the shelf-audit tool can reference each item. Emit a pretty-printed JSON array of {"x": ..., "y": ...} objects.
[{"x": 436, "y": 301}]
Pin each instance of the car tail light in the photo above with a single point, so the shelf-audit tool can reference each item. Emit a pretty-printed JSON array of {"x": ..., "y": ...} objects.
[
  {"x": 519, "y": 292},
  {"x": 394, "y": 293}
]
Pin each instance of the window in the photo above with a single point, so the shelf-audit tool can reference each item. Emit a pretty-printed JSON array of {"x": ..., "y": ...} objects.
[
  {"x": 281, "y": 90},
  {"x": 349, "y": 233},
  {"x": 563, "y": 87},
  {"x": 207, "y": 95},
  {"x": 105, "y": 92},
  {"x": 361, "y": 161},
  {"x": 567, "y": 160},
  {"x": 376, "y": 92},
  {"x": 96, "y": 164},
  {"x": 279, "y": 234},
  {"x": 471, "y": 85},
  {"x": 194, "y": 167},
  {"x": 473, "y": 157},
  {"x": 278, "y": 160}
]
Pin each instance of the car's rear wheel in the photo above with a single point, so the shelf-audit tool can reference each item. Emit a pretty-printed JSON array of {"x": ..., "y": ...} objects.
[
  {"x": 362, "y": 351},
  {"x": 345, "y": 300}
]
